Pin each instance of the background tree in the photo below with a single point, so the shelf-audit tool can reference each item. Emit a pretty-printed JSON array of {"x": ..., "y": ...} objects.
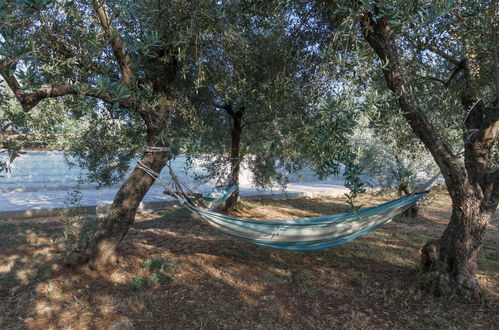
[{"x": 252, "y": 96}]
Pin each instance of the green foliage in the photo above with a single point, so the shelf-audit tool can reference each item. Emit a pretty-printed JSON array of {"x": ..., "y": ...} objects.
[
  {"x": 353, "y": 181},
  {"x": 160, "y": 273},
  {"x": 160, "y": 278},
  {"x": 152, "y": 264},
  {"x": 104, "y": 147},
  {"x": 325, "y": 136},
  {"x": 256, "y": 63},
  {"x": 61, "y": 43},
  {"x": 76, "y": 226},
  {"x": 13, "y": 151},
  {"x": 304, "y": 75},
  {"x": 10, "y": 146},
  {"x": 139, "y": 283}
]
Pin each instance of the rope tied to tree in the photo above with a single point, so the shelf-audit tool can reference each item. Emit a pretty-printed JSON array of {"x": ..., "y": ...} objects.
[
  {"x": 156, "y": 149},
  {"x": 156, "y": 176}
]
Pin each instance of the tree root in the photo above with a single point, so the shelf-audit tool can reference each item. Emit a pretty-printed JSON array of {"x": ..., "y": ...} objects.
[{"x": 441, "y": 281}]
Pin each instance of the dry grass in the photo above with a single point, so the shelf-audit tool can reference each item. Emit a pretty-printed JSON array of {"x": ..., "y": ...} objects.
[{"x": 177, "y": 272}]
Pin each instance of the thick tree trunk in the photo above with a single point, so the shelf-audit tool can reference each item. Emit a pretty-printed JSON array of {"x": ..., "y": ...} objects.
[
  {"x": 449, "y": 263},
  {"x": 99, "y": 250},
  {"x": 235, "y": 157}
]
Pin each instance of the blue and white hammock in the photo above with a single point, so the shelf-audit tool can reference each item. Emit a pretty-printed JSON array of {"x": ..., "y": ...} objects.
[{"x": 302, "y": 234}]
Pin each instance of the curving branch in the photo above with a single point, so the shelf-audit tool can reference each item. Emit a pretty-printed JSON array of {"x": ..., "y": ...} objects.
[
  {"x": 29, "y": 99},
  {"x": 381, "y": 37},
  {"x": 116, "y": 43},
  {"x": 435, "y": 50},
  {"x": 226, "y": 106}
]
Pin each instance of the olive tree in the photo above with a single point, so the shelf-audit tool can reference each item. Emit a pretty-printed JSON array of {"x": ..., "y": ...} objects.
[
  {"x": 127, "y": 59},
  {"x": 439, "y": 62},
  {"x": 253, "y": 97}
]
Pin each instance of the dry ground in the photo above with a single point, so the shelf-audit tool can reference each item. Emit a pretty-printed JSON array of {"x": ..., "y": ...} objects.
[{"x": 177, "y": 272}]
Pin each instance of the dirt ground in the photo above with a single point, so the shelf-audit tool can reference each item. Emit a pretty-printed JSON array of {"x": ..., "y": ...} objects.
[{"x": 176, "y": 272}]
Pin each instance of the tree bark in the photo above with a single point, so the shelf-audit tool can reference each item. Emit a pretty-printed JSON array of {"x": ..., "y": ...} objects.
[
  {"x": 449, "y": 263},
  {"x": 235, "y": 156},
  {"x": 99, "y": 251}
]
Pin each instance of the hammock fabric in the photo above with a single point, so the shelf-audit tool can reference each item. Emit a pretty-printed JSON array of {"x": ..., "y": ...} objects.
[
  {"x": 217, "y": 196},
  {"x": 302, "y": 234},
  {"x": 307, "y": 234}
]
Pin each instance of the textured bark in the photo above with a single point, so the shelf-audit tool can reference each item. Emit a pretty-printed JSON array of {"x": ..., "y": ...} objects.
[
  {"x": 99, "y": 250},
  {"x": 235, "y": 155},
  {"x": 30, "y": 99},
  {"x": 449, "y": 263}
]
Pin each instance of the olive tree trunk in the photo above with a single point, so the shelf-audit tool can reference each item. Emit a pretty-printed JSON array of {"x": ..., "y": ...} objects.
[
  {"x": 235, "y": 156},
  {"x": 449, "y": 263},
  {"x": 99, "y": 251}
]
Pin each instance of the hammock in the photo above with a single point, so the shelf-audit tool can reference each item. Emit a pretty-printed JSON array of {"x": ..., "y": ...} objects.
[
  {"x": 307, "y": 234},
  {"x": 217, "y": 196},
  {"x": 179, "y": 189},
  {"x": 302, "y": 234}
]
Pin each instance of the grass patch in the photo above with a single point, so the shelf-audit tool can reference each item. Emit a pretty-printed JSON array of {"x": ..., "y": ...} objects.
[
  {"x": 159, "y": 273},
  {"x": 140, "y": 282}
]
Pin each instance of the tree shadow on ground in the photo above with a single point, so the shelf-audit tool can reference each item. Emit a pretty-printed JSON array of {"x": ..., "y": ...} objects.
[{"x": 219, "y": 281}]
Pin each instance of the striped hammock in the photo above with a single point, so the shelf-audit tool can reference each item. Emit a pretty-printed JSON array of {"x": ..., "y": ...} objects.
[
  {"x": 217, "y": 196},
  {"x": 307, "y": 234},
  {"x": 302, "y": 234}
]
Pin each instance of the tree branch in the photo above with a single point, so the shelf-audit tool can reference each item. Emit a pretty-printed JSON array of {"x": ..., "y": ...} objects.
[
  {"x": 434, "y": 49},
  {"x": 116, "y": 43},
  {"x": 226, "y": 106},
  {"x": 443, "y": 82},
  {"x": 252, "y": 122},
  {"x": 381, "y": 37},
  {"x": 30, "y": 99}
]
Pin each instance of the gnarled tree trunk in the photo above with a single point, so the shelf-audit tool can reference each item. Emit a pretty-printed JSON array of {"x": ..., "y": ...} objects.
[
  {"x": 99, "y": 250},
  {"x": 449, "y": 263}
]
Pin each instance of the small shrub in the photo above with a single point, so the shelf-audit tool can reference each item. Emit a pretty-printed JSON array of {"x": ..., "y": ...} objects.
[
  {"x": 140, "y": 282},
  {"x": 152, "y": 264},
  {"x": 159, "y": 269},
  {"x": 76, "y": 227},
  {"x": 160, "y": 278}
]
